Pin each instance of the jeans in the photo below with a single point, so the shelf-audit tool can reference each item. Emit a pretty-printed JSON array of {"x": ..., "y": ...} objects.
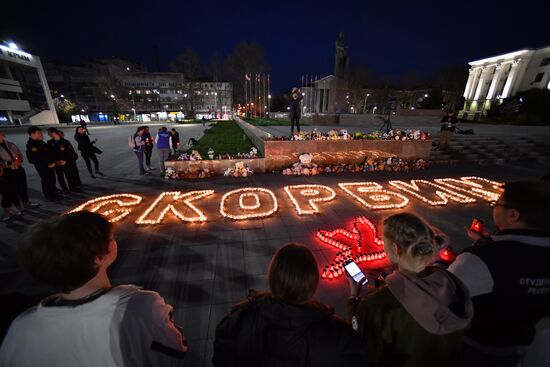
[
  {"x": 148, "y": 153},
  {"x": 163, "y": 156},
  {"x": 139, "y": 156}
]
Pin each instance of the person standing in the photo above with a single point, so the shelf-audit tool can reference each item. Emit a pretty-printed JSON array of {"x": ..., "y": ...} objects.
[
  {"x": 88, "y": 150},
  {"x": 88, "y": 321},
  {"x": 15, "y": 177},
  {"x": 295, "y": 113},
  {"x": 72, "y": 156},
  {"x": 510, "y": 269},
  {"x": 448, "y": 127},
  {"x": 420, "y": 316},
  {"x": 40, "y": 155},
  {"x": 287, "y": 327},
  {"x": 163, "y": 147},
  {"x": 139, "y": 144},
  {"x": 148, "y": 147},
  {"x": 62, "y": 156},
  {"x": 175, "y": 140}
]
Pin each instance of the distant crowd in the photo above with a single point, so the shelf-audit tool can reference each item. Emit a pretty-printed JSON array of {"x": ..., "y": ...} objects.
[
  {"x": 55, "y": 161},
  {"x": 490, "y": 307}
]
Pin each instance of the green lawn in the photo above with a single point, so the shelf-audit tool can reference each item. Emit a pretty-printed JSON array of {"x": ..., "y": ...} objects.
[
  {"x": 258, "y": 121},
  {"x": 225, "y": 137}
]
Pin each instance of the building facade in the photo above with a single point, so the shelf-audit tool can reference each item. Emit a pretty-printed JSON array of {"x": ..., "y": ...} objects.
[
  {"x": 24, "y": 92},
  {"x": 493, "y": 79},
  {"x": 120, "y": 89}
]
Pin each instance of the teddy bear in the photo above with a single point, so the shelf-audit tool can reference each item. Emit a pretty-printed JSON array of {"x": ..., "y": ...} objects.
[
  {"x": 195, "y": 155},
  {"x": 211, "y": 153}
]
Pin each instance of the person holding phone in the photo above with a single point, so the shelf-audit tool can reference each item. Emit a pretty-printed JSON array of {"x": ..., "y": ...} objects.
[
  {"x": 286, "y": 327},
  {"x": 295, "y": 113},
  {"x": 418, "y": 317}
]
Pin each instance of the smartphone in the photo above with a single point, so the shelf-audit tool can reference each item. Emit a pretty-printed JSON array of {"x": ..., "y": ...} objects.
[
  {"x": 477, "y": 225},
  {"x": 353, "y": 270}
]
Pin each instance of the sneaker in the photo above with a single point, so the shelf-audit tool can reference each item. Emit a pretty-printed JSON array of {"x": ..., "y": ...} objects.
[
  {"x": 147, "y": 174},
  {"x": 30, "y": 205},
  {"x": 92, "y": 175},
  {"x": 99, "y": 173},
  {"x": 5, "y": 217}
]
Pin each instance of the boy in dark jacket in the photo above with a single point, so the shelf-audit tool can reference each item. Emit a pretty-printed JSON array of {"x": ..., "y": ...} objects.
[{"x": 286, "y": 327}]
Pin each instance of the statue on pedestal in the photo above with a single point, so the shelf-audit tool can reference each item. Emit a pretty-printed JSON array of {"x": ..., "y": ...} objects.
[{"x": 341, "y": 63}]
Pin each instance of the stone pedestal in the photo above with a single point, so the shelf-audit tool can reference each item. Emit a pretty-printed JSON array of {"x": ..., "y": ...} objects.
[{"x": 337, "y": 101}]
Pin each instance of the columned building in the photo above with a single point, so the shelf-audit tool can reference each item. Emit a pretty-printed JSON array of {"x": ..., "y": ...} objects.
[
  {"x": 24, "y": 92},
  {"x": 493, "y": 79}
]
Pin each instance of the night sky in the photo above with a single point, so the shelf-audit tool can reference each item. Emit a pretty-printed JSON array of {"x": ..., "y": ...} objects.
[{"x": 389, "y": 37}]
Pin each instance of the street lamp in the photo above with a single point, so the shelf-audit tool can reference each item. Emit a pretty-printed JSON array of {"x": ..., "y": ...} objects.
[
  {"x": 374, "y": 109},
  {"x": 134, "y": 111},
  {"x": 365, "y": 105},
  {"x": 269, "y": 105}
]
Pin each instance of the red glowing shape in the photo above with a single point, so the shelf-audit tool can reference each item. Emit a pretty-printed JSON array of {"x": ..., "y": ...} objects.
[
  {"x": 360, "y": 243},
  {"x": 447, "y": 255}
]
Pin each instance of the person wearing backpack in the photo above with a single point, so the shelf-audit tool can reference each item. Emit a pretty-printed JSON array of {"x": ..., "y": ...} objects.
[
  {"x": 286, "y": 327},
  {"x": 139, "y": 145}
]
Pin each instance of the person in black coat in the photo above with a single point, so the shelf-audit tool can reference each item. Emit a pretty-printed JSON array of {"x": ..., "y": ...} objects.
[
  {"x": 295, "y": 113},
  {"x": 88, "y": 150},
  {"x": 286, "y": 327},
  {"x": 175, "y": 140},
  {"x": 64, "y": 154},
  {"x": 41, "y": 156},
  {"x": 72, "y": 156}
]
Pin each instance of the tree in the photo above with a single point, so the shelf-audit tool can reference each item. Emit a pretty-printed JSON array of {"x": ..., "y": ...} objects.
[
  {"x": 113, "y": 91},
  {"x": 64, "y": 108},
  {"x": 246, "y": 58},
  {"x": 360, "y": 78},
  {"x": 190, "y": 65}
]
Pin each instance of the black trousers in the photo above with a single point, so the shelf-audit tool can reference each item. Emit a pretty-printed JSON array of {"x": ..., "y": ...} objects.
[
  {"x": 15, "y": 187},
  {"x": 294, "y": 119},
  {"x": 61, "y": 173},
  {"x": 73, "y": 174},
  {"x": 47, "y": 177},
  {"x": 90, "y": 157},
  {"x": 148, "y": 153}
]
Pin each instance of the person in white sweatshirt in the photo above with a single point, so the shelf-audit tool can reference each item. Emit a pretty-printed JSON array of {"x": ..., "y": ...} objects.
[{"x": 88, "y": 322}]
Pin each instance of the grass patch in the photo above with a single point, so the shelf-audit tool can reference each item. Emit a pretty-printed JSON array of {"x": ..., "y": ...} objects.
[
  {"x": 225, "y": 137},
  {"x": 258, "y": 121}
]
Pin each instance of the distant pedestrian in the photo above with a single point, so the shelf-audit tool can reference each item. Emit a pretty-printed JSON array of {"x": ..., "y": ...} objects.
[
  {"x": 448, "y": 127},
  {"x": 14, "y": 180},
  {"x": 192, "y": 141},
  {"x": 63, "y": 153},
  {"x": 84, "y": 126},
  {"x": 139, "y": 145},
  {"x": 295, "y": 113},
  {"x": 74, "y": 174},
  {"x": 175, "y": 140},
  {"x": 148, "y": 147},
  {"x": 88, "y": 151},
  {"x": 163, "y": 147},
  {"x": 41, "y": 156}
]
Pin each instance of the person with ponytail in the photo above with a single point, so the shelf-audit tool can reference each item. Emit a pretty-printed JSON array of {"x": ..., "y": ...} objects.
[{"x": 418, "y": 317}]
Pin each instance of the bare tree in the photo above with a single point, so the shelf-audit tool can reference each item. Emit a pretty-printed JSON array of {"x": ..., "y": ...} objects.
[
  {"x": 246, "y": 58},
  {"x": 360, "y": 79},
  {"x": 190, "y": 65}
]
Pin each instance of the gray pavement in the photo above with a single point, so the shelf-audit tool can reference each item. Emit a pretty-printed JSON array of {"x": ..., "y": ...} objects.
[
  {"x": 202, "y": 269},
  {"x": 369, "y": 123}
]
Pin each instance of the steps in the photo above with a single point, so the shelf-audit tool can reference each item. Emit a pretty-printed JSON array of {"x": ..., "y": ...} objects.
[{"x": 491, "y": 150}]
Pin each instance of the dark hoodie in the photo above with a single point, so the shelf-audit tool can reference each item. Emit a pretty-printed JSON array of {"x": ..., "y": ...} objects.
[
  {"x": 416, "y": 320},
  {"x": 263, "y": 331}
]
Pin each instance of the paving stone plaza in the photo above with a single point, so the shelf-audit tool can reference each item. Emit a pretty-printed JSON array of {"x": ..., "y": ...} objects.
[{"x": 201, "y": 269}]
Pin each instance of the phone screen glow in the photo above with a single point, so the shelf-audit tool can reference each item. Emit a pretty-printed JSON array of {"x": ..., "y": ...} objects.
[{"x": 354, "y": 271}]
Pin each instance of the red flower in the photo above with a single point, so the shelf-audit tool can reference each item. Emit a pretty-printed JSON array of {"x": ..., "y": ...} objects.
[{"x": 361, "y": 244}]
